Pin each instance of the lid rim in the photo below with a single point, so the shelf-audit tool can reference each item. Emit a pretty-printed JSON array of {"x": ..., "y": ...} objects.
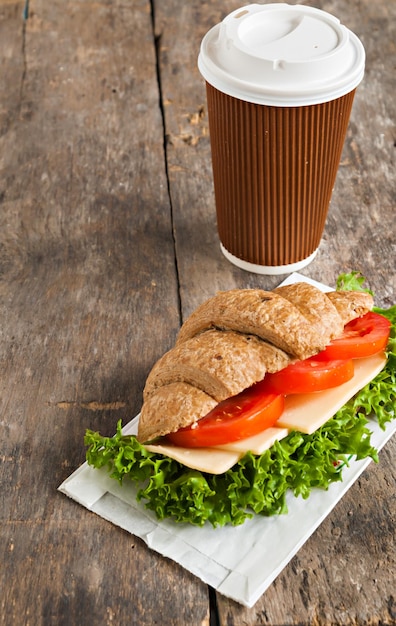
[
  {"x": 286, "y": 98},
  {"x": 222, "y": 63}
]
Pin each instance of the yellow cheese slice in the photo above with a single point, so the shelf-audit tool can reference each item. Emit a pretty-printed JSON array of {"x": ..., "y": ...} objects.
[
  {"x": 219, "y": 459},
  {"x": 210, "y": 460},
  {"x": 256, "y": 444},
  {"x": 303, "y": 412},
  {"x": 308, "y": 412}
]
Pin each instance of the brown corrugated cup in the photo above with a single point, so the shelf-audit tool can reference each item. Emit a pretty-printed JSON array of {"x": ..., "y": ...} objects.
[{"x": 280, "y": 86}]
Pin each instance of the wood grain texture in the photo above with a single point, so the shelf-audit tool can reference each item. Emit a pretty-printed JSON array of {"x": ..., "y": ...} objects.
[
  {"x": 107, "y": 241},
  {"x": 88, "y": 301}
]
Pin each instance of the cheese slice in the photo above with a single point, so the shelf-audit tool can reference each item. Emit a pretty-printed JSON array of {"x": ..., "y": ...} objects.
[
  {"x": 303, "y": 412},
  {"x": 308, "y": 412},
  {"x": 219, "y": 459},
  {"x": 212, "y": 460},
  {"x": 256, "y": 444}
]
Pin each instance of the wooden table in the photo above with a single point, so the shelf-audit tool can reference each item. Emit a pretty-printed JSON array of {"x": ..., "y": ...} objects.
[{"x": 107, "y": 242}]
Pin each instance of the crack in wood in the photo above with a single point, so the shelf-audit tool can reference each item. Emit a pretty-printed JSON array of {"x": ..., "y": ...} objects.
[
  {"x": 25, "y": 13},
  {"x": 161, "y": 102}
]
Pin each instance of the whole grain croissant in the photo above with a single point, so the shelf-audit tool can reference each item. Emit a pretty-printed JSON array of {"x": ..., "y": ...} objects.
[{"x": 232, "y": 340}]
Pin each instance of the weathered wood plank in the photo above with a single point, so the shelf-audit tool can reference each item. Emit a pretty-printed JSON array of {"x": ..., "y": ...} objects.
[
  {"x": 342, "y": 575},
  {"x": 88, "y": 301}
]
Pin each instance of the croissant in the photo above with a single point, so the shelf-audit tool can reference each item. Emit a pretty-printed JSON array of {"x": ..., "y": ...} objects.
[{"x": 232, "y": 340}]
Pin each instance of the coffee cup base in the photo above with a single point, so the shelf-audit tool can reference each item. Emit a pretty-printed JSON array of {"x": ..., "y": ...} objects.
[{"x": 269, "y": 270}]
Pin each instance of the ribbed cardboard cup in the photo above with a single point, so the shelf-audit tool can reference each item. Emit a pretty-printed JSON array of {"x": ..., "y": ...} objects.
[
  {"x": 274, "y": 170},
  {"x": 280, "y": 83}
]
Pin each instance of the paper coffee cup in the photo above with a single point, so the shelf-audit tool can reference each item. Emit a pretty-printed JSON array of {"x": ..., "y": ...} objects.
[{"x": 280, "y": 86}]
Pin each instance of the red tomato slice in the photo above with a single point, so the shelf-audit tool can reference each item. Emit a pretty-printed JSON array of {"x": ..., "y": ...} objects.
[
  {"x": 260, "y": 406},
  {"x": 238, "y": 417},
  {"x": 310, "y": 375},
  {"x": 362, "y": 337}
]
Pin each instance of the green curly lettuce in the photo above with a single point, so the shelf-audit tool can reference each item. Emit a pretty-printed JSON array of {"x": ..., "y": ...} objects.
[
  {"x": 354, "y": 281},
  {"x": 256, "y": 484}
]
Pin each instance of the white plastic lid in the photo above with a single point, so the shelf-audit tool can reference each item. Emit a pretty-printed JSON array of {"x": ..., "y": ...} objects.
[{"x": 282, "y": 55}]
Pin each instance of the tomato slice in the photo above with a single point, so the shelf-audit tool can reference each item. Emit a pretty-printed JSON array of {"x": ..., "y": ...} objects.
[
  {"x": 363, "y": 336},
  {"x": 260, "y": 406},
  {"x": 310, "y": 375},
  {"x": 241, "y": 416}
]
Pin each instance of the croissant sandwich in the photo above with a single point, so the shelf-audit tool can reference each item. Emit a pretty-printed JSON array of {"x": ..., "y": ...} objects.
[
  {"x": 233, "y": 340},
  {"x": 239, "y": 350}
]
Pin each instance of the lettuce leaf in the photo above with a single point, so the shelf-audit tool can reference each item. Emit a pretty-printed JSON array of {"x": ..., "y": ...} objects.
[
  {"x": 352, "y": 282},
  {"x": 257, "y": 485}
]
